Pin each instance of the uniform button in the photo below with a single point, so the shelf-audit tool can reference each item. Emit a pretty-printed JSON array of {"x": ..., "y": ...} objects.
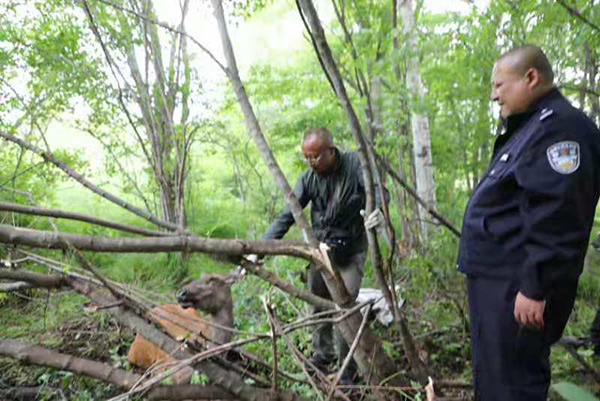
[{"x": 492, "y": 172}]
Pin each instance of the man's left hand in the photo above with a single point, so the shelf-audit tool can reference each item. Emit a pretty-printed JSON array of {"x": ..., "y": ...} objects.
[
  {"x": 374, "y": 220},
  {"x": 529, "y": 312}
]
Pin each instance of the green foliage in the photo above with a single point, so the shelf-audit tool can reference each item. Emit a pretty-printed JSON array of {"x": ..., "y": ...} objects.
[{"x": 571, "y": 392}]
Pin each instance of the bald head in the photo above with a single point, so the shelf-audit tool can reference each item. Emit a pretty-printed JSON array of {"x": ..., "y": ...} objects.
[
  {"x": 523, "y": 58},
  {"x": 520, "y": 77},
  {"x": 319, "y": 134},
  {"x": 319, "y": 151}
]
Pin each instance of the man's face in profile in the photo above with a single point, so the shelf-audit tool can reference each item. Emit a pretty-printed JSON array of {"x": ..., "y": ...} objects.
[{"x": 510, "y": 88}]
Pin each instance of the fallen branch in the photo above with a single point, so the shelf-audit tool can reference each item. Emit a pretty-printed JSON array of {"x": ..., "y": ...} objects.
[
  {"x": 350, "y": 352},
  {"x": 271, "y": 316},
  {"x": 18, "y": 286},
  {"x": 28, "y": 393},
  {"x": 182, "y": 243},
  {"x": 38, "y": 211},
  {"x": 571, "y": 349},
  {"x": 33, "y": 279},
  {"x": 288, "y": 287},
  {"x": 34, "y": 354},
  {"x": 298, "y": 357}
]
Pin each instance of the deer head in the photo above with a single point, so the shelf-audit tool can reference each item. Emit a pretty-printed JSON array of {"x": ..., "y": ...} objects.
[{"x": 211, "y": 293}]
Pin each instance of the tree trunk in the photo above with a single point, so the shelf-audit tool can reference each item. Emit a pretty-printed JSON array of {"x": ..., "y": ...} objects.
[
  {"x": 158, "y": 88},
  {"x": 419, "y": 121},
  {"x": 592, "y": 77}
]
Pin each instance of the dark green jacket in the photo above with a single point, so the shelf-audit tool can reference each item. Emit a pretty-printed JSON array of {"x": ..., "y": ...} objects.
[{"x": 336, "y": 201}]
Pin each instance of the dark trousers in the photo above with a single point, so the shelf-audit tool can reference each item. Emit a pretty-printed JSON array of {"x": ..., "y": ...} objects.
[
  {"x": 510, "y": 361},
  {"x": 324, "y": 335}
]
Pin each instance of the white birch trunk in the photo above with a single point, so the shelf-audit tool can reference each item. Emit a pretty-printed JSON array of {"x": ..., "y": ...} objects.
[{"x": 419, "y": 122}]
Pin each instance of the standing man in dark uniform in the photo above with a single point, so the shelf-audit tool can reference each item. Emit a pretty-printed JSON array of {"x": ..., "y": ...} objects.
[
  {"x": 334, "y": 186},
  {"x": 526, "y": 229}
]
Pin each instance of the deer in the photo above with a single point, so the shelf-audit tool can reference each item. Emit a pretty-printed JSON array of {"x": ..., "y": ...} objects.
[{"x": 205, "y": 307}]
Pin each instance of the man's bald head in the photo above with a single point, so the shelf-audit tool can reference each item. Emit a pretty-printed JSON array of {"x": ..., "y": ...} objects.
[
  {"x": 520, "y": 77},
  {"x": 319, "y": 151},
  {"x": 321, "y": 134},
  {"x": 522, "y": 58}
]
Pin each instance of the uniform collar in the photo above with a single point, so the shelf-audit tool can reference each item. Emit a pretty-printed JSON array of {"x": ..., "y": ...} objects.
[{"x": 511, "y": 123}]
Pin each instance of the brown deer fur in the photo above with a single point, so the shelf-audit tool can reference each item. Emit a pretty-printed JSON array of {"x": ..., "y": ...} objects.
[{"x": 211, "y": 296}]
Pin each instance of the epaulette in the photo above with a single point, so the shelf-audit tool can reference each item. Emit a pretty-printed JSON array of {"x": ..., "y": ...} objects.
[{"x": 546, "y": 113}]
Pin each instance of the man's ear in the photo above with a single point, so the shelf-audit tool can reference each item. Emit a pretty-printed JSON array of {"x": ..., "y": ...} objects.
[{"x": 533, "y": 77}]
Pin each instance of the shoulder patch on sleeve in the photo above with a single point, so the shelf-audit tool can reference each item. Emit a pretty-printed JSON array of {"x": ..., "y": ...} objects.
[{"x": 564, "y": 156}]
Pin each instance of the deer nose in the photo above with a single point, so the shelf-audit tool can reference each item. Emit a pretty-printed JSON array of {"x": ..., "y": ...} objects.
[{"x": 182, "y": 294}]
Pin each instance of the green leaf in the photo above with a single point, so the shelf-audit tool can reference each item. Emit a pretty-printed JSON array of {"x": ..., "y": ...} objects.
[{"x": 571, "y": 392}]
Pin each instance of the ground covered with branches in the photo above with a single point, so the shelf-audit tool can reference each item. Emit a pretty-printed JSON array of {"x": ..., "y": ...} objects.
[{"x": 69, "y": 323}]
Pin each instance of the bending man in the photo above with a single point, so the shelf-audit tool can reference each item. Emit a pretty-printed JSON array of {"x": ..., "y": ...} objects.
[{"x": 334, "y": 186}]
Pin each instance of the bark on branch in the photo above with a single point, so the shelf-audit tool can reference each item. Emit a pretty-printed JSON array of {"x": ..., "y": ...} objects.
[
  {"x": 56, "y": 240},
  {"x": 18, "y": 286},
  {"x": 53, "y": 240},
  {"x": 34, "y": 279}
]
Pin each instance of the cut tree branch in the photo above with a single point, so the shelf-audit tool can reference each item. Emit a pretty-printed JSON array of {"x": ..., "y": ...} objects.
[
  {"x": 18, "y": 286},
  {"x": 34, "y": 279},
  {"x": 57, "y": 240}
]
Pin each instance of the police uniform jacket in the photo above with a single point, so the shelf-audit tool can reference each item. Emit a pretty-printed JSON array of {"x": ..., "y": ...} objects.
[
  {"x": 336, "y": 201},
  {"x": 530, "y": 216}
]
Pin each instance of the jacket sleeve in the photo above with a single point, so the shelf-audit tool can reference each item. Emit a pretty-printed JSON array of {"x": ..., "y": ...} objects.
[
  {"x": 284, "y": 220},
  {"x": 557, "y": 209}
]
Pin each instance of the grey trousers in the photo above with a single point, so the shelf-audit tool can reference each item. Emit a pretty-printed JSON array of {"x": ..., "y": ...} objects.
[{"x": 323, "y": 336}]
